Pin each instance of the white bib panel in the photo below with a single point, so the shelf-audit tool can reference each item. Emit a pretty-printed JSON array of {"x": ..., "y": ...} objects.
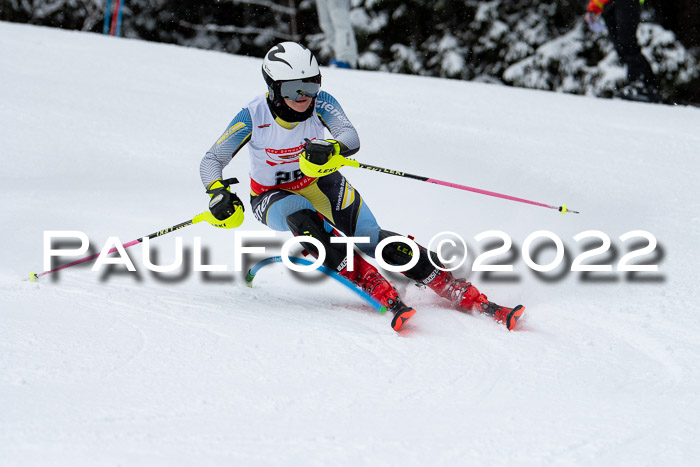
[{"x": 274, "y": 150}]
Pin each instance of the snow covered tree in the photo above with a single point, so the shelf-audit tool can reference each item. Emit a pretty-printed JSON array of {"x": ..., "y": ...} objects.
[
  {"x": 543, "y": 45},
  {"x": 582, "y": 62},
  {"x": 83, "y": 15}
]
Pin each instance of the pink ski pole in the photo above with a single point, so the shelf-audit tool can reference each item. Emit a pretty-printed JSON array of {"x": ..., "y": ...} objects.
[{"x": 352, "y": 163}]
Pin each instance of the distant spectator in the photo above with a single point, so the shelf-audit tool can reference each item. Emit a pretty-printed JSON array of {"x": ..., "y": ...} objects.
[
  {"x": 622, "y": 18},
  {"x": 334, "y": 19}
]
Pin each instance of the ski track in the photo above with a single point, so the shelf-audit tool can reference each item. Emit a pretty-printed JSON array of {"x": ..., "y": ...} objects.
[{"x": 434, "y": 343}]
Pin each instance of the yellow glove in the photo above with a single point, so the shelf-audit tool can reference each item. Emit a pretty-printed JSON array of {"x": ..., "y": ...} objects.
[
  {"x": 224, "y": 205},
  {"x": 320, "y": 157}
]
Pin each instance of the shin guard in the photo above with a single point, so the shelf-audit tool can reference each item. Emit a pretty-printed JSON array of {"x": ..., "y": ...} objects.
[{"x": 310, "y": 223}]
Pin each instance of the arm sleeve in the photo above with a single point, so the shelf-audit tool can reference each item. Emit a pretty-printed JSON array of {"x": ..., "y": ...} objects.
[
  {"x": 237, "y": 134},
  {"x": 331, "y": 114},
  {"x": 596, "y": 6}
]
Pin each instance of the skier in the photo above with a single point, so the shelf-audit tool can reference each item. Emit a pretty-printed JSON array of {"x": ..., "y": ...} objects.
[
  {"x": 284, "y": 130},
  {"x": 621, "y": 19},
  {"x": 334, "y": 19}
]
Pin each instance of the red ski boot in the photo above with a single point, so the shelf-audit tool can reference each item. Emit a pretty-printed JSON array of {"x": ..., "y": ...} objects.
[
  {"x": 402, "y": 313},
  {"x": 371, "y": 281},
  {"x": 458, "y": 291},
  {"x": 468, "y": 297},
  {"x": 507, "y": 316}
]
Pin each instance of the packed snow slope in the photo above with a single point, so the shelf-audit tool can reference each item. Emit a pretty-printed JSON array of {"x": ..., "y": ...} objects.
[{"x": 104, "y": 136}]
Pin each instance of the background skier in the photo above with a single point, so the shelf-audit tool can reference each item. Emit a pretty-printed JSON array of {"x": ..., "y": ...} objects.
[
  {"x": 621, "y": 19},
  {"x": 334, "y": 20}
]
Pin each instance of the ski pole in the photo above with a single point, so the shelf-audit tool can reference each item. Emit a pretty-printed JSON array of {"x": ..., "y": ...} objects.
[
  {"x": 205, "y": 216},
  {"x": 563, "y": 209},
  {"x": 115, "y": 18},
  {"x": 119, "y": 20},
  {"x": 339, "y": 161},
  {"x": 108, "y": 13}
]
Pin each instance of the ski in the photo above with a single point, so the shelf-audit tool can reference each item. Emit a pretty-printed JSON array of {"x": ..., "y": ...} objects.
[{"x": 278, "y": 259}]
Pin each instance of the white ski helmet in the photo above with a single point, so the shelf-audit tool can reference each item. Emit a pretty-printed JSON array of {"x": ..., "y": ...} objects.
[{"x": 289, "y": 62}]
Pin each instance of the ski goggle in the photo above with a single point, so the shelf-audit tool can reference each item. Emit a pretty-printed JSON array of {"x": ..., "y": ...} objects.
[{"x": 300, "y": 88}]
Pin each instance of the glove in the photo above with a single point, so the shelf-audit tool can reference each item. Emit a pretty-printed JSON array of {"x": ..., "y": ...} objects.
[
  {"x": 319, "y": 151},
  {"x": 319, "y": 157},
  {"x": 596, "y": 6},
  {"x": 225, "y": 205},
  {"x": 594, "y": 22}
]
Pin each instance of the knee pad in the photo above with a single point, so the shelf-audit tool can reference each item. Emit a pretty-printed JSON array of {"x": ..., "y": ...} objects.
[
  {"x": 308, "y": 222},
  {"x": 398, "y": 254}
]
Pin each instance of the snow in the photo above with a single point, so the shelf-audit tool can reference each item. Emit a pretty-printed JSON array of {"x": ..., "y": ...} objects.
[{"x": 105, "y": 135}]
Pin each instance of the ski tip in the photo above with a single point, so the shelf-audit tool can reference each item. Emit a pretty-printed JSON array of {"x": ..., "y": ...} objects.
[
  {"x": 249, "y": 279},
  {"x": 401, "y": 317},
  {"x": 33, "y": 277},
  {"x": 514, "y": 317}
]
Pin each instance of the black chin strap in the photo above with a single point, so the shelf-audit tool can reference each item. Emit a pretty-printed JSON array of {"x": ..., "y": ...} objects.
[{"x": 281, "y": 110}]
